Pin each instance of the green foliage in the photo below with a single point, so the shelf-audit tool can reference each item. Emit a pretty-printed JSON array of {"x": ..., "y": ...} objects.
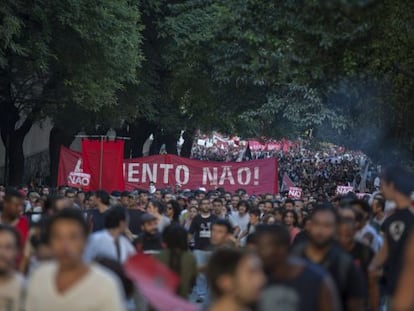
[
  {"x": 63, "y": 57},
  {"x": 277, "y": 68},
  {"x": 343, "y": 68},
  {"x": 78, "y": 52}
]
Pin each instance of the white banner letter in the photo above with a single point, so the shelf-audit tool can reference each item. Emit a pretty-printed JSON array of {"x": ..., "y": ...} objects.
[
  {"x": 166, "y": 168},
  {"x": 210, "y": 177},
  {"x": 227, "y": 174},
  {"x": 132, "y": 172},
  {"x": 248, "y": 173},
  {"x": 186, "y": 176}
]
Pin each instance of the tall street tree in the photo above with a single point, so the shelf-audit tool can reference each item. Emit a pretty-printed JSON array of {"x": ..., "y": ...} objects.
[{"x": 60, "y": 54}]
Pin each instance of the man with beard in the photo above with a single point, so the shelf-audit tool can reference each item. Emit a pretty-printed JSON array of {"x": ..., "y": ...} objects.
[
  {"x": 361, "y": 253},
  {"x": 222, "y": 234},
  {"x": 322, "y": 250},
  {"x": 96, "y": 217},
  {"x": 200, "y": 229},
  {"x": 11, "y": 214},
  {"x": 11, "y": 282},
  {"x": 293, "y": 284},
  {"x": 149, "y": 242},
  {"x": 68, "y": 283}
]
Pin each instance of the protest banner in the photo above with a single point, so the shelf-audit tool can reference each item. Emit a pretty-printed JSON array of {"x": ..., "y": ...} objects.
[
  {"x": 270, "y": 146},
  {"x": 70, "y": 171},
  {"x": 295, "y": 193},
  {"x": 257, "y": 176},
  {"x": 255, "y": 145},
  {"x": 361, "y": 195},
  {"x": 342, "y": 190},
  {"x": 103, "y": 160}
]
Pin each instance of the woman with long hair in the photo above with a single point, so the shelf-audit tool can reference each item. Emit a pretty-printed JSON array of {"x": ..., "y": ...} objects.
[
  {"x": 173, "y": 211},
  {"x": 191, "y": 214},
  {"x": 290, "y": 219},
  {"x": 178, "y": 258}
]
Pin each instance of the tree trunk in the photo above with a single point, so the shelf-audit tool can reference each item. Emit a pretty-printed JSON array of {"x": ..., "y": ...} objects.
[
  {"x": 139, "y": 131},
  {"x": 188, "y": 143},
  {"x": 58, "y": 137},
  {"x": 170, "y": 140},
  {"x": 13, "y": 142},
  {"x": 16, "y": 158}
]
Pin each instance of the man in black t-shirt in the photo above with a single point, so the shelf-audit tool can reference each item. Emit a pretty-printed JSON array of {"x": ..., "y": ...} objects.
[
  {"x": 200, "y": 229},
  {"x": 96, "y": 215},
  {"x": 397, "y": 185},
  {"x": 292, "y": 284},
  {"x": 324, "y": 251},
  {"x": 149, "y": 241},
  {"x": 361, "y": 253}
]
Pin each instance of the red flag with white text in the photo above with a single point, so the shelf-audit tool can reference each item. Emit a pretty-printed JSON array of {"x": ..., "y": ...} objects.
[{"x": 70, "y": 170}]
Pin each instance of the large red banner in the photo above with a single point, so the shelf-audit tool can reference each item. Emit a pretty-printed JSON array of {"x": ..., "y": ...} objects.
[
  {"x": 258, "y": 176},
  {"x": 103, "y": 160}
]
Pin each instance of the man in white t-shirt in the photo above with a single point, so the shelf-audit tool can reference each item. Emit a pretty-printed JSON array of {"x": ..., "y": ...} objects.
[
  {"x": 11, "y": 282},
  {"x": 68, "y": 283},
  {"x": 110, "y": 242}
]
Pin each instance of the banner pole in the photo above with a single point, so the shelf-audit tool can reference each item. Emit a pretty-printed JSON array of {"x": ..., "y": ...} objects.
[{"x": 100, "y": 164}]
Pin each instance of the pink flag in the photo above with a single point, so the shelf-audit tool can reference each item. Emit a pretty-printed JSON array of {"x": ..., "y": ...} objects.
[
  {"x": 145, "y": 269},
  {"x": 157, "y": 283}
]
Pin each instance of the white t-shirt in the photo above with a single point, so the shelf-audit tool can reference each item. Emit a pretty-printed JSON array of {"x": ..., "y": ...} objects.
[
  {"x": 102, "y": 244},
  {"x": 11, "y": 293},
  {"x": 98, "y": 290},
  {"x": 240, "y": 221},
  {"x": 376, "y": 242},
  {"x": 163, "y": 223}
]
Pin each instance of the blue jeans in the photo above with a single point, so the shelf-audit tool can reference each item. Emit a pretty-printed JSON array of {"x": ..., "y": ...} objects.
[{"x": 200, "y": 289}]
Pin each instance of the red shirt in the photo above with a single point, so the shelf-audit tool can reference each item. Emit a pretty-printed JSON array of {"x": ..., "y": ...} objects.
[{"x": 22, "y": 226}]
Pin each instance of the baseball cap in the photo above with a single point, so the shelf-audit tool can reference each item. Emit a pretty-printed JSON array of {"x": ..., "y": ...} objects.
[{"x": 146, "y": 217}]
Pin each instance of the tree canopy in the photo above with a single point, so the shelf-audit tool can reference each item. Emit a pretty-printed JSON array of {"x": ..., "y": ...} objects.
[
  {"x": 55, "y": 54},
  {"x": 343, "y": 68}
]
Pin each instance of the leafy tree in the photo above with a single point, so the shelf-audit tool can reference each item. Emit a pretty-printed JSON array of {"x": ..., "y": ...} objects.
[
  {"x": 279, "y": 67},
  {"x": 64, "y": 54}
]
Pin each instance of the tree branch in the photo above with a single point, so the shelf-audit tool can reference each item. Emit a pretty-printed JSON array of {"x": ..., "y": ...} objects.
[{"x": 399, "y": 69}]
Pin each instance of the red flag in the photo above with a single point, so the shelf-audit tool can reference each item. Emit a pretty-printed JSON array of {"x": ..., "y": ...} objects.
[
  {"x": 70, "y": 170},
  {"x": 146, "y": 269},
  {"x": 287, "y": 182},
  {"x": 157, "y": 283},
  {"x": 163, "y": 300},
  {"x": 103, "y": 160}
]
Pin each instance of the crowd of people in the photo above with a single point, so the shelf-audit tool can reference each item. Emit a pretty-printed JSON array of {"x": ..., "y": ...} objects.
[
  {"x": 65, "y": 249},
  {"x": 314, "y": 169}
]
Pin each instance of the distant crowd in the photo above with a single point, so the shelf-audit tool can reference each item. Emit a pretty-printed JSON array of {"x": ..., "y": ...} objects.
[{"x": 231, "y": 251}]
